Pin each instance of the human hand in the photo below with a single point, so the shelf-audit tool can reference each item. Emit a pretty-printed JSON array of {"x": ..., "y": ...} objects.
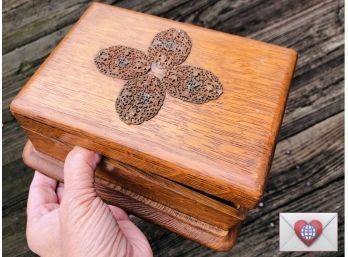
[{"x": 71, "y": 220}]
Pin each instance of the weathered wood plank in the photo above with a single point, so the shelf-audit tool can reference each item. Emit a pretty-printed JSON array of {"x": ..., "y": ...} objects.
[
  {"x": 315, "y": 95},
  {"x": 21, "y": 63},
  {"x": 299, "y": 175},
  {"x": 16, "y": 180},
  {"x": 26, "y": 21},
  {"x": 308, "y": 160},
  {"x": 13, "y": 141},
  {"x": 33, "y": 19}
]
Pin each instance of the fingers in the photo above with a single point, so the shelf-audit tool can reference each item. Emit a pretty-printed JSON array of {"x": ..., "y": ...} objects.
[
  {"x": 42, "y": 195},
  {"x": 60, "y": 191},
  {"x": 118, "y": 213},
  {"x": 43, "y": 235},
  {"x": 79, "y": 191},
  {"x": 85, "y": 217},
  {"x": 79, "y": 168}
]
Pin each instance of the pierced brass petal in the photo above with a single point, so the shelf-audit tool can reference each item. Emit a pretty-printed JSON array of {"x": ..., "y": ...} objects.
[
  {"x": 192, "y": 84},
  {"x": 122, "y": 62},
  {"x": 140, "y": 99},
  {"x": 170, "y": 47}
]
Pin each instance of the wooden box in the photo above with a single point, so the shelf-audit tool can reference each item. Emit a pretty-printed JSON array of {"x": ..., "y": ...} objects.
[{"x": 194, "y": 169}]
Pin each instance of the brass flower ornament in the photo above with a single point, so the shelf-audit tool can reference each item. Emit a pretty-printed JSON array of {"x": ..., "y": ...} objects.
[{"x": 143, "y": 94}]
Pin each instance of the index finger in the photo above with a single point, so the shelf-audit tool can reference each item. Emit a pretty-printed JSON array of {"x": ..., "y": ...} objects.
[{"x": 42, "y": 193}]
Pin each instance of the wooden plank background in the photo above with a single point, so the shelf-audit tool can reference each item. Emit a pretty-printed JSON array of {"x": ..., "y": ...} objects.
[{"x": 307, "y": 172}]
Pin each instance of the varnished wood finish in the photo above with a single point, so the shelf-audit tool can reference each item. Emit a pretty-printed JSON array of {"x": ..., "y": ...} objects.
[
  {"x": 158, "y": 213},
  {"x": 223, "y": 147},
  {"x": 177, "y": 197},
  {"x": 300, "y": 178}
]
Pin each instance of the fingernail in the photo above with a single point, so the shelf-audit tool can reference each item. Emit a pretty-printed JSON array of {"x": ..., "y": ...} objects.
[{"x": 97, "y": 157}]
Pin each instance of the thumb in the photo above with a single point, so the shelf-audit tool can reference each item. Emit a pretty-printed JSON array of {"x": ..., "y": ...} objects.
[{"x": 79, "y": 168}]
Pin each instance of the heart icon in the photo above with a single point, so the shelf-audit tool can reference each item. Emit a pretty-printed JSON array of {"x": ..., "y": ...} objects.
[{"x": 308, "y": 232}]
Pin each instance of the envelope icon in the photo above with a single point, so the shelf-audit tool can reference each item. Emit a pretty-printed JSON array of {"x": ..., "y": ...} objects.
[{"x": 289, "y": 240}]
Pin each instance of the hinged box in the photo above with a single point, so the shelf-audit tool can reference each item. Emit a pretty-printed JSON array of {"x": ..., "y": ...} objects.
[{"x": 193, "y": 168}]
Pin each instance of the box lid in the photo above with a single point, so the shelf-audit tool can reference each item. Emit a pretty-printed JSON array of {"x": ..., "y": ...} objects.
[{"x": 223, "y": 147}]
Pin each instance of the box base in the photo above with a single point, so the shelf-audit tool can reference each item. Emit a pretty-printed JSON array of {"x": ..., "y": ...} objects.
[{"x": 182, "y": 224}]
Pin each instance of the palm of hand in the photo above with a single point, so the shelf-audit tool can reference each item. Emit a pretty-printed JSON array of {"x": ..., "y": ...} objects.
[{"x": 74, "y": 221}]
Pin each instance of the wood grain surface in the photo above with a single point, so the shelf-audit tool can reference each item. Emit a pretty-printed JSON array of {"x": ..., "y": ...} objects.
[
  {"x": 300, "y": 179},
  {"x": 113, "y": 192},
  {"x": 223, "y": 147},
  {"x": 193, "y": 204}
]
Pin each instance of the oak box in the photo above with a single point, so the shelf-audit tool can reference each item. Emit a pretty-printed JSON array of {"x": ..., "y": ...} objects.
[{"x": 187, "y": 118}]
